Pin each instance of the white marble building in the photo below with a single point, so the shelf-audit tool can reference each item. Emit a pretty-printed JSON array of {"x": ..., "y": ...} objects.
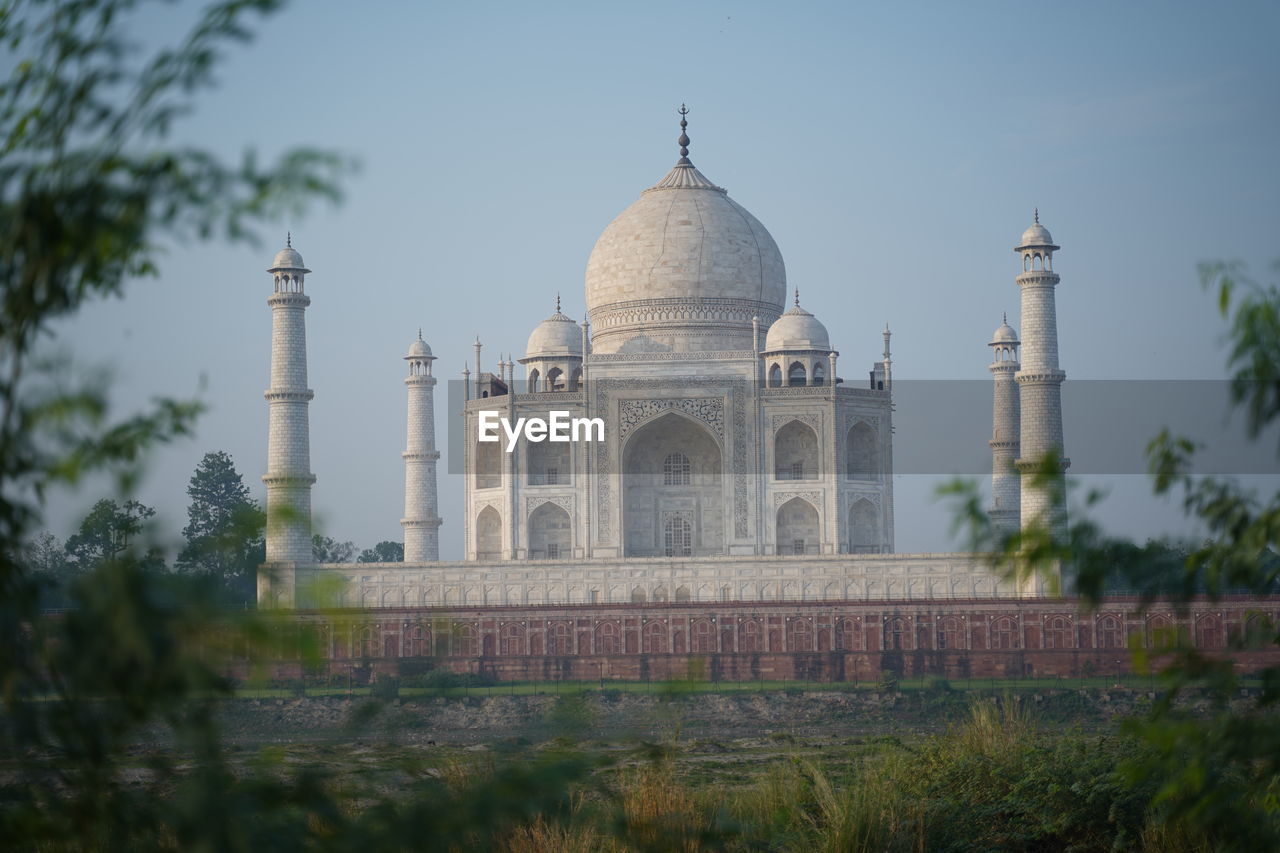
[{"x": 736, "y": 463}]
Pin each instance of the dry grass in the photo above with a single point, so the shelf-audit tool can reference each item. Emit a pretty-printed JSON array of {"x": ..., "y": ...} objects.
[
  {"x": 661, "y": 813},
  {"x": 543, "y": 837},
  {"x": 993, "y": 726}
]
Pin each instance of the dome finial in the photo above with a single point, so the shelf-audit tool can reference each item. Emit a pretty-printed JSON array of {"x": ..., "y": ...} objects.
[
  {"x": 419, "y": 333},
  {"x": 288, "y": 239},
  {"x": 797, "y": 297},
  {"x": 557, "y": 302},
  {"x": 1004, "y": 317},
  {"x": 684, "y": 138},
  {"x": 1037, "y": 216}
]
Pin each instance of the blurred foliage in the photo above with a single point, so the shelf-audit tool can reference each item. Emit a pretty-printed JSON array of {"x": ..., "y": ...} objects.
[
  {"x": 1215, "y": 774},
  {"x": 89, "y": 194}
]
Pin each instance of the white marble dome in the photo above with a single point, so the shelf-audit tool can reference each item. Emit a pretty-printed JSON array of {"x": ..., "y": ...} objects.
[
  {"x": 1036, "y": 235},
  {"x": 797, "y": 330},
  {"x": 287, "y": 259},
  {"x": 1005, "y": 334},
  {"x": 419, "y": 349},
  {"x": 558, "y": 335},
  {"x": 684, "y": 268}
]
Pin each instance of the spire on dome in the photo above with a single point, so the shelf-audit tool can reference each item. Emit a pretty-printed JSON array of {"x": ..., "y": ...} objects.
[
  {"x": 797, "y": 297},
  {"x": 684, "y": 138},
  {"x": 557, "y": 302},
  {"x": 288, "y": 239},
  {"x": 1037, "y": 215},
  {"x": 684, "y": 175}
]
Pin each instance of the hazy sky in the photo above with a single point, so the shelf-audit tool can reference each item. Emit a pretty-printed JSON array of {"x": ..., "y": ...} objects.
[{"x": 894, "y": 151}]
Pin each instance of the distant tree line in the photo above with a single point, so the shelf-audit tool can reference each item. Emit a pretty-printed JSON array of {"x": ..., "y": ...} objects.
[{"x": 223, "y": 540}]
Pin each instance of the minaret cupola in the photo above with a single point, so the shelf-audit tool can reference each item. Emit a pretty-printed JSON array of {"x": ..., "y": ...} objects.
[
  {"x": 797, "y": 349},
  {"x": 553, "y": 356}
]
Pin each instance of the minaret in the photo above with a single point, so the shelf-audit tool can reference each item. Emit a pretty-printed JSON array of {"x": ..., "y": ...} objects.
[
  {"x": 288, "y": 478},
  {"x": 421, "y": 523},
  {"x": 1040, "y": 381},
  {"x": 1006, "y": 487},
  {"x": 888, "y": 361}
]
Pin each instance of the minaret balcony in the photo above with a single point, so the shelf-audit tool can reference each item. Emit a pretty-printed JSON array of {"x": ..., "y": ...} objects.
[
  {"x": 277, "y": 396},
  {"x": 1040, "y": 377},
  {"x": 289, "y": 479},
  {"x": 289, "y": 299}
]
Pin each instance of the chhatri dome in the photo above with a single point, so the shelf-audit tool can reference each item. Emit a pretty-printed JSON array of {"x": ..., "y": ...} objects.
[
  {"x": 288, "y": 258},
  {"x": 797, "y": 330},
  {"x": 683, "y": 269},
  {"x": 1005, "y": 334},
  {"x": 419, "y": 348},
  {"x": 1037, "y": 234},
  {"x": 555, "y": 336}
]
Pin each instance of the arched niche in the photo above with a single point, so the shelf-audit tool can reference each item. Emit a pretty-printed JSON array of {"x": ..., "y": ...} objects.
[
  {"x": 548, "y": 462},
  {"x": 798, "y": 528},
  {"x": 795, "y": 452},
  {"x": 488, "y": 465},
  {"x": 550, "y": 533},
  {"x": 864, "y": 528},
  {"x": 488, "y": 534},
  {"x": 863, "y": 452},
  {"x": 660, "y": 497}
]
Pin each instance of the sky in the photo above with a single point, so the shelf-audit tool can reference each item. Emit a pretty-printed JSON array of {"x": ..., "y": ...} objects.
[{"x": 894, "y": 151}]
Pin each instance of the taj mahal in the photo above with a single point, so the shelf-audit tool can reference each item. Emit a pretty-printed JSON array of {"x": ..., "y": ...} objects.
[{"x": 736, "y": 463}]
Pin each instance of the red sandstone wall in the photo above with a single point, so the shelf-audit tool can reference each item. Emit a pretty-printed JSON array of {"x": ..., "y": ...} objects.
[{"x": 812, "y": 641}]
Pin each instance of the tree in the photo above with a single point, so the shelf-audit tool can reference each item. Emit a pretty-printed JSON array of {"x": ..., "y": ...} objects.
[
  {"x": 106, "y": 532},
  {"x": 224, "y": 532},
  {"x": 326, "y": 549},
  {"x": 45, "y": 558},
  {"x": 1216, "y": 774},
  {"x": 384, "y": 552},
  {"x": 89, "y": 196}
]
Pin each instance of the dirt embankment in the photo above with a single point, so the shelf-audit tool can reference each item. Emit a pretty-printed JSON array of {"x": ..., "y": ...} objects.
[{"x": 617, "y": 715}]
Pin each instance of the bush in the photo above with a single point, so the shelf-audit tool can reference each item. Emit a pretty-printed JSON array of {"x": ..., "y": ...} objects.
[
  {"x": 443, "y": 679},
  {"x": 997, "y": 783},
  {"x": 386, "y": 688}
]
